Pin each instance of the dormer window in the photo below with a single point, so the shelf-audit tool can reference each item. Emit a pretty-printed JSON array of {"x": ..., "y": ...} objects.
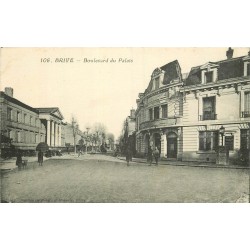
[
  {"x": 157, "y": 82},
  {"x": 209, "y": 77},
  {"x": 209, "y": 72}
]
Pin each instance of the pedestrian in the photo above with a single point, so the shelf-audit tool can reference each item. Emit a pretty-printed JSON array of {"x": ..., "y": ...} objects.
[
  {"x": 19, "y": 160},
  {"x": 156, "y": 155},
  {"x": 150, "y": 155},
  {"x": 128, "y": 155},
  {"x": 79, "y": 152},
  {"x": 40, "y": 158}
]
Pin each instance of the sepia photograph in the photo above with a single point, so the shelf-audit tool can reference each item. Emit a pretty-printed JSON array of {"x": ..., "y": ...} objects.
[{"x": 125, "y": 125}]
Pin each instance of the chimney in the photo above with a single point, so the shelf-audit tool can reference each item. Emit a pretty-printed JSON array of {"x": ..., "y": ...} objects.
[
  {"x": 132, "y": 113},
  {"x": 230, "y": 53},
  {"x": 8, "y": 91}
]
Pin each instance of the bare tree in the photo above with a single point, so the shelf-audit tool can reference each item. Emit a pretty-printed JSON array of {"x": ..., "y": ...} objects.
[
  {"x": 100, "y": 130},
  {"x": 75, "y": 129}
]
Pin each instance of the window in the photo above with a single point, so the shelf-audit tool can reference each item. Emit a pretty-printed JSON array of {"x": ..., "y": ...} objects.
[
  {"x": 18, "y": 116},
  {"x": 18, "y": 136},
  {"x": 209, "y": 77},
  {"x": 208, "y": 140},
  {"x": 150, "y": 114},
  {"x": 164, "y": 111},
  {"x": 248, "y": 69},
  {"x": 156, "y": 113},
  {"x": 41, "y": 140},
  {"x": 31, "y": 120},
  {"x": 157, "y": 82},
  {"x": 11, "y": 135},
  {"x": 36, "y": 138},
  {"x": 229, "y": 142},
  {"x": 24, "y": 118},
  {"x": 9, "y": 114},
  {"x": 244, "y": 139},
  {"x": 209, "y": 108},
  {"x": 246, "y": 112}
]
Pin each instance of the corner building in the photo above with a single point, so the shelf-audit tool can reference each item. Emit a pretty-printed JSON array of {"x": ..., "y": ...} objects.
[
  {"x": 159, "y": 113},
  {"x": 215, "y": 95}
]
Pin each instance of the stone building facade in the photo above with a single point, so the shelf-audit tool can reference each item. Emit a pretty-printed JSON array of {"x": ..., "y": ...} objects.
[
  {"x": 26, "y": 126},
  {"x": 182, "y": 114},
  {"x": 215, "y": 95},
  {"x": 159, "y": 113}
]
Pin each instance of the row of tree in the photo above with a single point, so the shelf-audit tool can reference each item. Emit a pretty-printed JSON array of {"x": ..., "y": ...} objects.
[{"x": 96, "y": 137}]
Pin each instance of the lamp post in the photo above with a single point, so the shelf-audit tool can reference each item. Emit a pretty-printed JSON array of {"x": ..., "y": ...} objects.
[{"x": 222, "y": 132}]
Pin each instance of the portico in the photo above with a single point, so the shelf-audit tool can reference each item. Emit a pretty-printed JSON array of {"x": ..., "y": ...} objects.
[{"x": 52, "y": 118}]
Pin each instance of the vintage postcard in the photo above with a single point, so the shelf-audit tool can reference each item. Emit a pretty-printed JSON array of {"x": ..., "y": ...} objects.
[{"x": 125, "y": 125}]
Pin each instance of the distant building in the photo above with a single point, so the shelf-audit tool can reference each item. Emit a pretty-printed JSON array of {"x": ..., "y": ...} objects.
[
  {"x": 26, "y": 126},
  {"x": 69, "y": 135}
]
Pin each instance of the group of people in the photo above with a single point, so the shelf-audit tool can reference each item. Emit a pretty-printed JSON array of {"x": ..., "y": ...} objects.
[
  {"x": 19, "y": 159},
  {"x": 152, "y": 153}
]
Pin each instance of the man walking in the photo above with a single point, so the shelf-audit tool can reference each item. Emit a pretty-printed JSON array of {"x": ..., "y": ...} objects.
[{"x": 156, "y": 155}]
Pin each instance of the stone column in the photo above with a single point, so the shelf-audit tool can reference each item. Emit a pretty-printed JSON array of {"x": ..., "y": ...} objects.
[
  {"x": 59, "y": 135},
  {"x": 48, "y": 133},
  {"x": 163, "y": 145},
  {"x": 52, "y": 134},
  {"x": 56, "y": 134},
  {"x": 160, "y": 112}
]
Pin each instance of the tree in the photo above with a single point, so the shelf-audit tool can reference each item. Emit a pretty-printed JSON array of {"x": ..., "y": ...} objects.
[
  {"x": 111, "y": 139},
  {"x": 100, "y": 130},
  {"x": 75, "y": 129}
]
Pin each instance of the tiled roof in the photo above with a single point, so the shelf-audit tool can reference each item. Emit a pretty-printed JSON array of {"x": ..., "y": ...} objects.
[
  {"x": 229, "y": 68},
  {"x": 17, "y": 102}
]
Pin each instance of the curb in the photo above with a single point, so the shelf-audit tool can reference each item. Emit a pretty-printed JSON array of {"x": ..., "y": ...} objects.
[{"x": 190, "y": 165}]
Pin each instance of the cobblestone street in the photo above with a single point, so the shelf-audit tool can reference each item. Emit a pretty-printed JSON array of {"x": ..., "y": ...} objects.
[{"x": 98, "y": 178}]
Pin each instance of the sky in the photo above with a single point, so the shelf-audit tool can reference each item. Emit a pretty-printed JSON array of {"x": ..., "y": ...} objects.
[{"x": 103, "y": 91}]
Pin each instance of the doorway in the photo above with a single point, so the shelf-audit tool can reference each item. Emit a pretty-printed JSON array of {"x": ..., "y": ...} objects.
[
  {"x": 158, "y": 142},
  {"x": 172, "y": 145}
]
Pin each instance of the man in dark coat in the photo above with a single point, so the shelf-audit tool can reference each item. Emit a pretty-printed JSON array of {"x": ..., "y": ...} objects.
[
  {"x": 19, "y": 160},
  {"x": 40, "y": 158},
  {"x": 156, "y": 155},
  {"x": 150, "y": 155},
  {"x": 128, "y": 155}
]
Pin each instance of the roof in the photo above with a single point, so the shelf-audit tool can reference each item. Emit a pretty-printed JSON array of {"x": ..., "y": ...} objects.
[
  {"x": 229, "y": 68},
  {"x": 52, "y": 111},
  {"x": 47, "y": 110},
  {"x": 17, "y": 102},
  {"x": 172, "y": 71}
]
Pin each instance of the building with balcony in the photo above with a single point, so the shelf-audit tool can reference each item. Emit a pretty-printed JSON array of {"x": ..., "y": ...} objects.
[
  {"x": 183, "y": 114},
  {"x": 215, "y": 95},
  {"x": 159, "y": 113},
  {"x": 26, "y": 126}
]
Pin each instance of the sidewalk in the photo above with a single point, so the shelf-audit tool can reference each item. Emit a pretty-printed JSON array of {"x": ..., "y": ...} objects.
[
  {"x": 186, "y": 163},
  {"x": 10, "y": 164}
]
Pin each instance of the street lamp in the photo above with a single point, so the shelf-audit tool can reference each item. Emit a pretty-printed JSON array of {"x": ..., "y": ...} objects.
[{"x": 222, "y": 132}]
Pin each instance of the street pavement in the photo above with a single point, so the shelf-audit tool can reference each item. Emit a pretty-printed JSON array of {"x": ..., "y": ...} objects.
[{"x": 103, "y": 178}]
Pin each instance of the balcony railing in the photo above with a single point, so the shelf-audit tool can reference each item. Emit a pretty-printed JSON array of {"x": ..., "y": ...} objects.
[
  {"x": 207, "y": 116},
  {"x": 245, "y": 114},
  {"x": 158, "y": 123}
]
